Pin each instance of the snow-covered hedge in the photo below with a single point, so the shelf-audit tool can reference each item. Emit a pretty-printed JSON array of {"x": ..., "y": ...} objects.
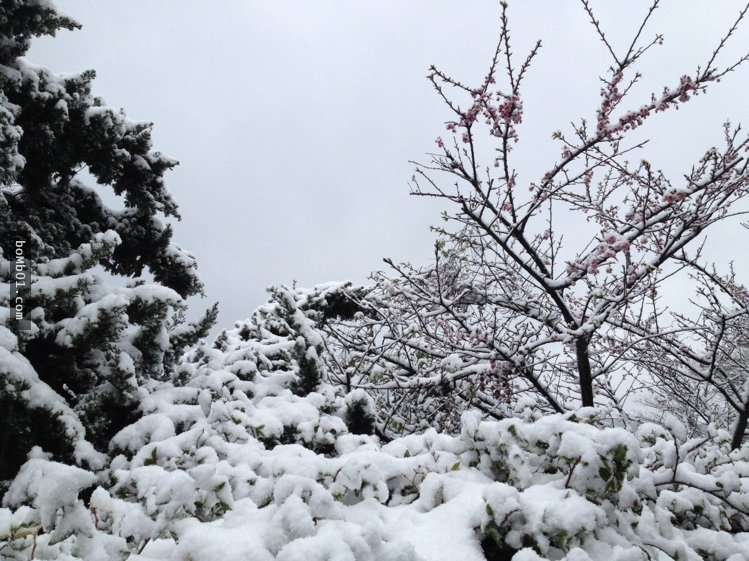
[{"x": 230, "y": 461}]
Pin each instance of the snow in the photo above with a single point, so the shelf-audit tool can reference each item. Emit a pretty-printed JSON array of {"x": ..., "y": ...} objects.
[
  {"x": 17, "y": 374},
  {"x": 230, "y": 464},
  {"x": 52, "y": 488},
  {"x": 201, "y": 476}
]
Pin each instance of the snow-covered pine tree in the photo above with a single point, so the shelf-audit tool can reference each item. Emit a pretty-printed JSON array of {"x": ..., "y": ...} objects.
[
  {"x": 288, "y": 341},
  {"x": 76, "y": 376},
  {"x": 284, "y": 342}
]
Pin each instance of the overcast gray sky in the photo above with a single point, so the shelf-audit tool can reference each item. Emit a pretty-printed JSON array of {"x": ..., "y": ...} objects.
[{"x": 294, "y": 120}]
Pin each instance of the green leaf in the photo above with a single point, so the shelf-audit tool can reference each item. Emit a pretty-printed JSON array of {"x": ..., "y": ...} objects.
[
  {"x": 152, "y": 458},
  {"x": 604, "y": 473}
]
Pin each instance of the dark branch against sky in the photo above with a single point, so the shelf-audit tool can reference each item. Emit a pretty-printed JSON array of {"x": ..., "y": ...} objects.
[{"x": 294, "y": 121}]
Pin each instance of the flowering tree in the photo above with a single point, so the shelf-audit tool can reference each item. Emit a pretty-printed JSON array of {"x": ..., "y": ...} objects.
[
  {"x": 419, "y": 365},
  {"x": 508, "y": 296},
  {"x": 697, "y": 365}
]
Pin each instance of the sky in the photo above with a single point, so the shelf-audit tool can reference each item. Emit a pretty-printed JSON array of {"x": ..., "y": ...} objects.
[{"x": 294, "y": 122}]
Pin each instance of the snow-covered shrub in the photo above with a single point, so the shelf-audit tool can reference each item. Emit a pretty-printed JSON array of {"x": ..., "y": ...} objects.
[
  {"x": 226, "y": 461},
  {"x": 594, "y": 493},
  {"x": 284, "y": 342}
]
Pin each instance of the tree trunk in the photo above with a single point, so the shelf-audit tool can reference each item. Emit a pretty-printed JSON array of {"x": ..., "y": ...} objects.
[
  {"x": 584, "y": 373},
  {"x": 740, "y": 429}
]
